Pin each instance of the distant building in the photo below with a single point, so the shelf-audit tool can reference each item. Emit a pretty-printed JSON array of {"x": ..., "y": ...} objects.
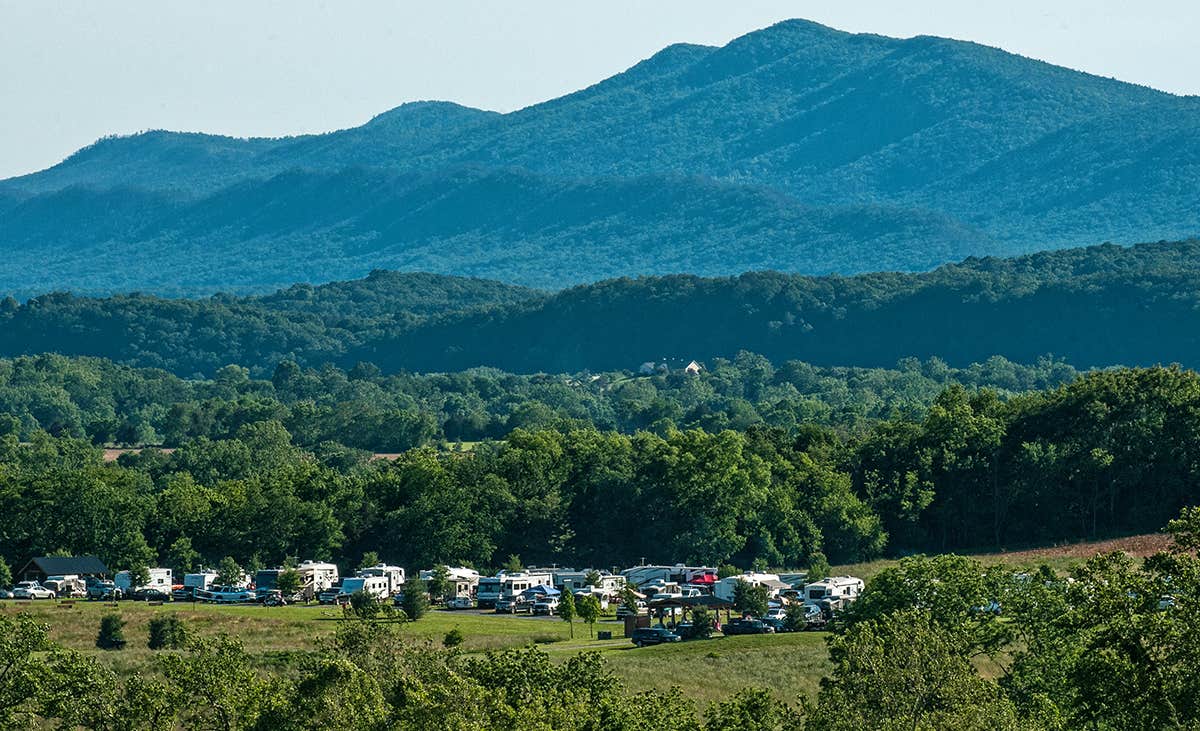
[
  {"x": 39, "y": 568},
  {"x": 693, "y": 368},
  {"x": 647, "y": 368}
]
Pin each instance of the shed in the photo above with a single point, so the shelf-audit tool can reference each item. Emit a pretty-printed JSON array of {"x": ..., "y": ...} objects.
[{"x": 42, "y": 566}]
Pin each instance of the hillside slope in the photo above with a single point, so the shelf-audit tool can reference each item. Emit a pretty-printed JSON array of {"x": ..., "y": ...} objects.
[
  {"x": 1100, "y": 306},
  {"x": 796, "y": 147}
]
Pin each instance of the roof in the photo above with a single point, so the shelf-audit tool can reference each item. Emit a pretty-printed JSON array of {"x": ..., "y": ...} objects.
[{"x": 65, "y": 565}]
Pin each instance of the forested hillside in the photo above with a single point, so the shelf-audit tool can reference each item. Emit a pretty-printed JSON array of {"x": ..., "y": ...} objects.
[
  {"x": 1092, "y": 307},
  {"x": 796, "y": 147}
]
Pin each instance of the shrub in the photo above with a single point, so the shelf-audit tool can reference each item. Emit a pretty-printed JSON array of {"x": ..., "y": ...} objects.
[
  {"x": 112, "y": 635},
  {"x": 415, "y": 600},
  {"x": 365, "y": 605},
  {"x": 167, "y": 632},
  {"x": 453, "y": 638}
]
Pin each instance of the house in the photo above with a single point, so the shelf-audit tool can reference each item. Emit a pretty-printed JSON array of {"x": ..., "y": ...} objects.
[
  {"x": 42, "y": 567},
  {"x": 693, "y": 368}
]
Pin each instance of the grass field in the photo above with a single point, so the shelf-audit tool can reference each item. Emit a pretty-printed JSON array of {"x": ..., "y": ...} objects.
[{"x": 709, "y": 670}]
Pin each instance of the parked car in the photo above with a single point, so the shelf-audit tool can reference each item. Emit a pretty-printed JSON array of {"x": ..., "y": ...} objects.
[
  {"x": 5, "y": 594},
  {"x": 513, "y": 605},
  {"x": 643, "y": 636},
  {"x": 546, "y": 605},
  {"x": 31, "y": 590},
  {"x": 330, "y": 595},
  {"x": 461, "y": 602},
  {"x": 747, "y": 627},
  {"x": 150, "y": 594},
  {"x": 184, "y": 593},
  {"x": 814, "y": 618},
  {"x": 104, "y": 590}
]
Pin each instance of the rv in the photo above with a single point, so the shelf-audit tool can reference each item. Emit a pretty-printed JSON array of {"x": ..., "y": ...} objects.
[
  {"x": 68, "y": 586},
  {"x": 316, "y": 577},
  {"x": 159, "y": 579},
  {"x": 226, "y": 595},
  {"x": 679, "y": 574},
  {"x": 393, "y": 574},
  {"x": 512, "y": 585},
  {"x": 463, "y": 581},
  {"x": 193, "y": 583},
  {"x": 488, "y": 591},
  {"x": 377, "y": 586},
  {"x": 725, "y": 588},
  {"x": 833, "y": 593}
]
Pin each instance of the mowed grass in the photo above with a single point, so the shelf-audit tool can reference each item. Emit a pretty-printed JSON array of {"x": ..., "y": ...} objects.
[{"x": 704, "y": 670}]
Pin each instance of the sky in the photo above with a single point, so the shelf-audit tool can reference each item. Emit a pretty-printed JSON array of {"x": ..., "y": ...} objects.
[{"x": 72, "y": 72}]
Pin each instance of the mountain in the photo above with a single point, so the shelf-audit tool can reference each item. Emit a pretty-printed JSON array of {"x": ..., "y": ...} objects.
[
  {"x": 1098, "y": 306},
  {"x": 797, "y": 147}
]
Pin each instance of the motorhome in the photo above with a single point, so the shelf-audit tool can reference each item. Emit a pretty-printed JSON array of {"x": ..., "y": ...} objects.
[
  {"x": 159, "y": 579},
  {"x": 488, "y": 591},
  {"x": 512, "y": 585},
  {"x": 568, "y": 579},
  {"x": 726, "y": 587},
  {"x": 393, "y": 574}
]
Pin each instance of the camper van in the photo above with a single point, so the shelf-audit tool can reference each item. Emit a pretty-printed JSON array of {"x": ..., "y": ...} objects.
[{"x": 159, "y": 579}]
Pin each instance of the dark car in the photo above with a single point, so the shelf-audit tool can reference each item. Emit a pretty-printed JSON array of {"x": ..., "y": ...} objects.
[
  {"x": 150, "y": 594},
  {"x": 643, "y": 636},
  {"x": 747, "y": 627},
  {"x": 513, "y": 605}
]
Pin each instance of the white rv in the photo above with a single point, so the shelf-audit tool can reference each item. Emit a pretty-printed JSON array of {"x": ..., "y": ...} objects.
[
  {"x": 159, "y": 579},
  {"x": 463, "y": 581},
  {"x": 377, "y": 586},
  {"x": 725, "y": 588},
  {"x": 678, "y": 574},
  {"x": 488, "y": 590},
  {"x": 833, "y": 593},
  {"x": 317, "y": 576},
  {"x": 393, "y": 574},
  {"x": 512, "y": 585}
]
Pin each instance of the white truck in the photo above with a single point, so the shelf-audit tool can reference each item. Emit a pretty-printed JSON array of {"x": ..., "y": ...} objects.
[{"x": 192, "y": 583}]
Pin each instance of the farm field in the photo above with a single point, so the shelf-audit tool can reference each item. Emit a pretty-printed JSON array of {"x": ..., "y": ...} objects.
[{"x": 709, "y": 670}]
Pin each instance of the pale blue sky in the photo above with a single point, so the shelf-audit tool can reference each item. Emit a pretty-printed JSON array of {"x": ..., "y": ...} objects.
[{"x": 72, "y": 71}]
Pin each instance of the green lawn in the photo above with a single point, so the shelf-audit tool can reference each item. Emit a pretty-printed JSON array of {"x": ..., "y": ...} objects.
[{"x": 705, "y": 670}]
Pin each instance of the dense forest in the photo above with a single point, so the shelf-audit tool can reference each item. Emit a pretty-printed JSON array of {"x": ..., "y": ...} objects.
[
  {"x": 1097, "y": 306},
  {"x": 1111, "y": 452},
  {"x": 362, "y": 408},
  {"x": 796, "y": 147}
]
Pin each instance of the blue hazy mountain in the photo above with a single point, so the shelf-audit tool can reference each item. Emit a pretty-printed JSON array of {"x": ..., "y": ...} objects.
[{"x": 797, "y": 147}]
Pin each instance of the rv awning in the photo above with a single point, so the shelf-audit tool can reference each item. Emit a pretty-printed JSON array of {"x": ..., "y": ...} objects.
[{"x": 542, "y": 590}]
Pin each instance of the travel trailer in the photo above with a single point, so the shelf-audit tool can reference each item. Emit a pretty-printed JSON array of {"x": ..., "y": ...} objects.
[
  {"x": 833, "y": 593},
  {"x": 159, "y": 579},
  {"x": 679, "y": 574},
  {"x": 725, "y": 588},
  {"x": 393, "y": 574},
  {"x": 316, "y": 577},
  {"x": 377, "y": 586}
]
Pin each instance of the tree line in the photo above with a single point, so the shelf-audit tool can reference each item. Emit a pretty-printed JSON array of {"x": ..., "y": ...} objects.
[{"x": 1113, "y": 452}]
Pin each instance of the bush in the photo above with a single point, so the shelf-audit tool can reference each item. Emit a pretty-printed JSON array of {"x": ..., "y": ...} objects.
[
  {"x": 167, "y": 632},
  {"x": 702, "y": 624},
  {"x": 365, "y": 605},
  {"x": 112, "y": 635},
  {"x": 453, "y": 638}
]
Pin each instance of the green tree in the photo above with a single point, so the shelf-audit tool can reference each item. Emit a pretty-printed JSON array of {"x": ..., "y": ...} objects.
[
  {"x": 167, "y": 632},
  {"x": 23, "y": 642},
  {"x": 566, "y": 611},
  {"x": 702, "y": 623},
  {"x": 588, "y": 608},
  {"x": 818, "y": 567},
  {"x": 749, "y": 599},
  {"x": 415, "y": 599},
  {"x": 453, "y": 638},
  {"x": 5, "y": 573},
  {"x": 112, "y": 635},
  {"x": 369, "y": 559},
  {"x": 906, "y": 671},
  {"x": 752, "y": 710},
  {"x": 229, "y": 573},
  {"x": 182, "y": 557},
  {"x": 216, "y": 684},
  {"x": 438, "y": 583},
  {"x": 139, "y": 576},
  {"x": 365, "y": 605},
  {"x": 593, "y": 578},
  {"x": 513, "y": 564},
  {"x": 289, "y": 582}
]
